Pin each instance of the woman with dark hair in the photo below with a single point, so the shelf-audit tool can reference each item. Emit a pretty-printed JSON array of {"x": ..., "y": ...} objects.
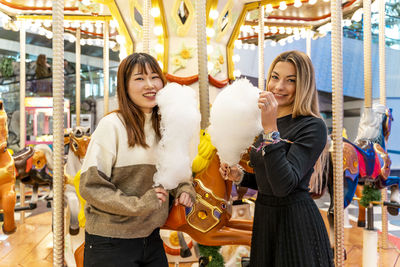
[
  {"x": 43, "y": 69},
  {"x": 288, "y": 229},
  {"x": 123, "y": 210}
]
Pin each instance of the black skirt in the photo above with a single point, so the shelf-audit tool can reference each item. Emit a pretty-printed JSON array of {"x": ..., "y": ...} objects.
[{"x": 289, "y": 232}]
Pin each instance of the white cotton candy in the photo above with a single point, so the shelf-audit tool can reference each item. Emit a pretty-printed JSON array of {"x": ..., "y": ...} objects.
[
  {"x": 180, "y": 127},
  {"x": 235, "y": 120}
]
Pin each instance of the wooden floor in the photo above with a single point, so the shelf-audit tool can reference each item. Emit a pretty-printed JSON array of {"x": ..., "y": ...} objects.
[{"x": 31, "y": 246}]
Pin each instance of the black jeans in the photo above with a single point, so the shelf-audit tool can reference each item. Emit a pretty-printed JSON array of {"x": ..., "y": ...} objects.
[{"x": 117, "y": 252}]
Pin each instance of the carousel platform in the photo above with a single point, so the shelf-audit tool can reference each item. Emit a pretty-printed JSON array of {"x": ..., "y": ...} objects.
[{"x": 31, "y": 246}]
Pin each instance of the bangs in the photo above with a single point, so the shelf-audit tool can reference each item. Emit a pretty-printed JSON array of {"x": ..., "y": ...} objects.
[{"x": 141, "y": 63}]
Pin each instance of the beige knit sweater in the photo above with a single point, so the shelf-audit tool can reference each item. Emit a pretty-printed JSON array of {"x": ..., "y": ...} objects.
[{"x": 116, "y": 182}]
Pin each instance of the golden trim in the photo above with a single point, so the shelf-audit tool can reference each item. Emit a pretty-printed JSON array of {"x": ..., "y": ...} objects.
[
  {"x": 191, "y": 213},
  {"x": 183, "y": 28},
  {"x": 122, "y": 30},
  {"x": 208, "y": 190},
  {"x": 161, "y": 20},
  {"x": 211, "y": 4}
]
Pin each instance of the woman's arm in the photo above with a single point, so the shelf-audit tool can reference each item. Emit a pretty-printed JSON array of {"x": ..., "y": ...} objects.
[{"x": 285, "y": 170}]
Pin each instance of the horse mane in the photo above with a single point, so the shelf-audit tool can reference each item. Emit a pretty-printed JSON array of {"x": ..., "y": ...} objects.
[
  {"x": 370, "y": 127},
  {"x": 48, "y": 154}
]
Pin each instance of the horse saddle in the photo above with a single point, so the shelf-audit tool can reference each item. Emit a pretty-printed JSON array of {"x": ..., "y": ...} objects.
[
  {"x": 21, "y": 161},
  {"x": 207, "y": 211},
  {"x": 366, "y": 158}
]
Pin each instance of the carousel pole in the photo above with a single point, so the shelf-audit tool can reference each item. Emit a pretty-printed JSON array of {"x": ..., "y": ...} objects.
[
  {"x": 308, "y": 43},
  {"x": 370, "y": 235},
  {"x": 337, "y": 125},
  {"x": 146, "y": 26},
  {"x": 22, "y": 120},
  {"x": 78, "y": 77},
  {"x": 382, "y": 87},
  {"x": 261, "y": 69},
  {"x": 202, "y": 62},
  {"x": 106, "y": 64},
  {"x": 58, "y": 135}
]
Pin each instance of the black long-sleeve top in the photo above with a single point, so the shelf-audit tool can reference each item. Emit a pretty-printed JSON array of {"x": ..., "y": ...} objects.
[{"x": 286, "y": 168}]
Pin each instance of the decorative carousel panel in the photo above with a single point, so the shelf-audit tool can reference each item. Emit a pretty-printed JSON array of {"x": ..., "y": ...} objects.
[{"x": 182, "y": 14}]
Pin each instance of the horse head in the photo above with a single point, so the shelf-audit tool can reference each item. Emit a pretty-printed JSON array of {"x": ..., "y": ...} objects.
[{"x": 79, "y": 140}]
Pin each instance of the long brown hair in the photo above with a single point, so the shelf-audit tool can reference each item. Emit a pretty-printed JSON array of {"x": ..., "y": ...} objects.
[
  {"x": 306, "y": 98},
  {"x": 133, "y": 116},
  {"x": 305, "y": 104},
  {"x": 42, "y": 68}
]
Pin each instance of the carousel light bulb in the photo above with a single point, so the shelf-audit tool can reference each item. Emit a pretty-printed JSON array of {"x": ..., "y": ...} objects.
[
  {"x": 66, "y": 24},
  {"x": 210, "y": 32},
  {"x": 160, "y": 64},
  {"x": 41, "y": 31},
  {"x": 159, "y": 48},
  {"x": 90, "y": 41},
  {"x": 289, "y": 30},
  {"x": 236, "y": 58},
  {"x": 312, "y": 2},
  {"x": 281, "y": 30},
  {"x": 326, "y": 0},
  {"x": 282, "y": 42},
  {"x": 86, "y": 2},
  {"x": 290, "y": 39},
  {"x": 120, "y": 39},
  {"x": 98, "y": 24},
  {"x": 113, "y": 24},
  {"x": 213, "y": 14},
  {"x": 112, "y": 44},
  {"x": 357, "y": 16},
  {"x": 210, "y": 65},
  {"x": 282, "y": 5},
  {"x": 99, "y": 42},
  {"x": 83, "y": 42},
  {"x": 47, "y": 23},
  {"x": 71, "y": 38},
  {"x": 273, "y": 43},
  {"x": 246, "y": 46},
  {"x": 274, "y": 29},
  {"x": 210, "y": 49},
  {"x": 237, "y": 73},
  {"x": 158, "y": 30},
  {"x": 155, "y": 12},
  {"x": 297, "y": 37},
  {"x": 297, "y": 3},
  {"x": 252, "y": 47},
  {"x": 49, "y": 35},
  {"x": 266, "y": 29},
  {"x": 269, "y": 8}
]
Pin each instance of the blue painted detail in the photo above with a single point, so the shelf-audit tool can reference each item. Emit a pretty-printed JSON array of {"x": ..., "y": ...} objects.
[
  {"x": 188, "y": 210},
  {"x": 217, "y": 213},
  {"x": 350, "y": 185}
]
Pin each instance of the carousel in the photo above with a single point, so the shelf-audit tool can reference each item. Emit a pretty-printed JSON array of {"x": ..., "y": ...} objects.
[{"x": 195, "y": 44}]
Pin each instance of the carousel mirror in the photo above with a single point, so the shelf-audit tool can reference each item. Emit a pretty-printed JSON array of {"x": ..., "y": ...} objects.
[
  {"x": 183, "y": 12},
  {"x": 138, "y": 17},
  {"x": 224, "y": 21}
]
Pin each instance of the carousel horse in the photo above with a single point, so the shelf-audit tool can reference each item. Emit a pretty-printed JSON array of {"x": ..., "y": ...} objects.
[
  {"x": 208, "y": 221},
  {"x": 366, "y": 161},
  {"x": 7, "y": 177},
  {"x": 34, "y": 166},
  {"x": 77, "y": 143}
]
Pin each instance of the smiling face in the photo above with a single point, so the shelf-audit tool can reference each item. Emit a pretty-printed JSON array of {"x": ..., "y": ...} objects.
[
  {"x": 143, "y": 87},
  {"x": 282, "y": 84}
]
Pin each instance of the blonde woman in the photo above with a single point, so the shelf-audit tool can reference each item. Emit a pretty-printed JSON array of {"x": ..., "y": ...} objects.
[{"x": 288, "y": 229}]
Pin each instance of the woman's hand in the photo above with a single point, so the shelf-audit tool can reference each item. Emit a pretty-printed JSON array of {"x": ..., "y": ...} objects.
[
  {"x": 161, "y": 194},
  {"x": 269, "y": 111},
  {"x": 185, "y": 200},
  {"x": 232, "y": 173}
]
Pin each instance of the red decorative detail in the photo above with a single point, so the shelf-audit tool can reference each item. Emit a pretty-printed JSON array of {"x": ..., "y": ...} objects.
[
  {"x": 182, "y": 80},
  {"x": 377, "y": 166},
  {"x": 361, "y": 164},
  {"x": 216, "y": 83},
  {"x": 192, "y": 79}
]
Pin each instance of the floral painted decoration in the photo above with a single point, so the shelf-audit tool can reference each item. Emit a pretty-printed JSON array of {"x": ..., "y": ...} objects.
[
  {"x": 218, "y": 60},
  {"x": 86, "y": 6},
  {"x": 180, "y": 59}
]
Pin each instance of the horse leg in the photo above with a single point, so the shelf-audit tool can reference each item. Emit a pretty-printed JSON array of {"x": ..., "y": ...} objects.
[
  {"x": 394, "y": 197},
  {"x": 8, "y": 201},
  {"x": 361, "y": 209},
  {"x": 240, "y": 224},
  {"x": 73, "y": 205},
  {"x": 229, "y": 236}
]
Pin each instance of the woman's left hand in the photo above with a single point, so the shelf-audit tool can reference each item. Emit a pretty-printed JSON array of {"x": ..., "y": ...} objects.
[{"x": 185, "y": 200}]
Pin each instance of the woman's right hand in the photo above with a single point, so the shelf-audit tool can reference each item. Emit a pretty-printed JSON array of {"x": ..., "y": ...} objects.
[
  {"x": 232, "y": 173},
  {"x": 161, "y": 194}
]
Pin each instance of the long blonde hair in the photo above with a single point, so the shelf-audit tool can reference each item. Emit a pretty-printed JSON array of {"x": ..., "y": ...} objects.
[{"x": 305, "y": 104}]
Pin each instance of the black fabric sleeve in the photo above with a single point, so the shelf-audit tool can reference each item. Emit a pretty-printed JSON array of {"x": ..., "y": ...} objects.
[
  {"x": 285, "y": 170},
  {"x": 249, "y": 181}
]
